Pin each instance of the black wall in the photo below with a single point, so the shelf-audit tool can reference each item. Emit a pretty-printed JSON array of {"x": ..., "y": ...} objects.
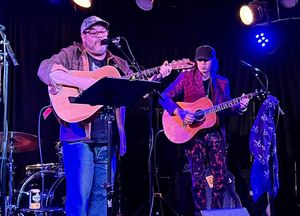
[{"x": 172, "y": 30}]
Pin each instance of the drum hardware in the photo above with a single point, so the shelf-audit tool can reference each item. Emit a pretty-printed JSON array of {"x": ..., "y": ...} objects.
[
  {"x": 18, "y": 142},
  {"x": 41, "y": 211},
  {"x": 48, "y": 178},
  {"x": 5, "y": 52},
  {"x": 59, "y": 154},
  {"x": 51, "y": 167},
  {"x": 22, "y": 142},
  {"x": 52, "y": 193},
  {"x": 10, "y": 206}
]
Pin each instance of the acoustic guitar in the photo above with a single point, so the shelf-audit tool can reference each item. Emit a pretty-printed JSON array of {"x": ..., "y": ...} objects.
[
  {"x": 205, "y": 117},
  {"x": 72, "y": 112}
]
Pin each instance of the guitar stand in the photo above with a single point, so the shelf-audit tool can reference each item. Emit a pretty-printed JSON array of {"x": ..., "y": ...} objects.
[
  {"x": 158, "y": 206},
  {"x": 161, "y": 201}
]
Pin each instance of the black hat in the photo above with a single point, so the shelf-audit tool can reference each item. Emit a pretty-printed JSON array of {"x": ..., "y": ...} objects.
[{"x": 205, "y": 52}]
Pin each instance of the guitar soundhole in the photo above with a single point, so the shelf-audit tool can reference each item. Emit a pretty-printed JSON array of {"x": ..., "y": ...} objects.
[
  {"x": 199, "y": 115},
  {"x": 199, "y": 119}
]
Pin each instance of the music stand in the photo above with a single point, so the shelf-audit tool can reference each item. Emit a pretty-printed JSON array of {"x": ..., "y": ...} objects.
[{"x": 114, "y": 92}]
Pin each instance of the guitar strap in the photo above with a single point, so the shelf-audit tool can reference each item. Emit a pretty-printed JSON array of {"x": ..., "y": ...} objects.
[
  {"x": 85, "y": 65},
  {"x": 208, "y": 88},
  {"x": 85, "y": 61}
]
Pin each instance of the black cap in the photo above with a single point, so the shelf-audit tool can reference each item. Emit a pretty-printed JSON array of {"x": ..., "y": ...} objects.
[{"x": 205, "y": 52}]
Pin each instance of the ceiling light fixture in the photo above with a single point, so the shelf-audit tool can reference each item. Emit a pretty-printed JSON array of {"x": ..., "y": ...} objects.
[
  {"x": 83, "y": 3},
  {"x": 145, "y": 5},
  {"x": 254, "y": 12}
]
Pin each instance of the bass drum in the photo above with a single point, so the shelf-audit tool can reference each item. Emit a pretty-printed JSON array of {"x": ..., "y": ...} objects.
[{"x": 53, "y": 194}]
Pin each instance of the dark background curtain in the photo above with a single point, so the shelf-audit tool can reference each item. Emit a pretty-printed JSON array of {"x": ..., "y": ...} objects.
[{"x": 37, "y": 29}]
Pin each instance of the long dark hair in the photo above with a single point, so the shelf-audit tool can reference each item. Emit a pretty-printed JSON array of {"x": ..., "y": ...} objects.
[{"x": 214, "y": 66}]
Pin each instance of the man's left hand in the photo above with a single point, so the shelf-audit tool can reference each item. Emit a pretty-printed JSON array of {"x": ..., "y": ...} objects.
[
  {"x": 244, "y": 103},
  {"x": 164, "y": 70}
]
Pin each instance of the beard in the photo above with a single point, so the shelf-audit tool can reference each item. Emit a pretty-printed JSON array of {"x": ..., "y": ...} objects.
[{"x": 96, "y": 48}]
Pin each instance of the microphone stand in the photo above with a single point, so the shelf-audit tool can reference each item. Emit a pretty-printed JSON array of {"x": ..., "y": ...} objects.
[
  {"x": 255, "y": 71},
  {"x": 6, "y": 205},
  {"x": 150, "y": 146},
  {"x": 109, "y": 185},
  {"x": 134, "y": 63},
  {"x": 132, "y": 60},
  {"x": 265, "y": 87}
]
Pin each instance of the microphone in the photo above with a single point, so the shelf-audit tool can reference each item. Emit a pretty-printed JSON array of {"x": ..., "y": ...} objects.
[
  {"x": 12, "y": 55},
  {"x": 2, "y": 28},
  {"x": 250, "y": 66},
  {"x": 10, "y": 52},
  {"x": 114, "y": 40}
]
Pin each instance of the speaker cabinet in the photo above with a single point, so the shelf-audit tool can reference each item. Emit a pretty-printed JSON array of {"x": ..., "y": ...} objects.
[{"x": 226, "y": 212}]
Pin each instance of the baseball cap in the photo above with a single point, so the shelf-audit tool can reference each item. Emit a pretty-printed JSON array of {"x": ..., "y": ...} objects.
[
  {"x": 92, "y": 20},
  {"x": 205, "y": 52}
]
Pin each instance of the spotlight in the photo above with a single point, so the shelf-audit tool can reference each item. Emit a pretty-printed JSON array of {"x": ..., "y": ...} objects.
[
  {"x": 145, "y": 5},
  {"x": 253, "y": 13},
  {"x": 288, "y": 3},
  {"x": 264, "y": 39},
  {"x": 83, "y": 3}
]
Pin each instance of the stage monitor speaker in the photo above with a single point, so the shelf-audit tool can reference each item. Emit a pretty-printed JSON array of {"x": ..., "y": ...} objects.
[{"x": 226, "y": 212}]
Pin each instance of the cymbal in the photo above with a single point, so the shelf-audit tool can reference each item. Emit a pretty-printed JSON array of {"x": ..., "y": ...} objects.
[{"x": 22, "y": 142}]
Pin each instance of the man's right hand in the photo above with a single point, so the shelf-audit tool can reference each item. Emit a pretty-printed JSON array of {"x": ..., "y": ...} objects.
[
  {"x": 59, "y": 77},
  {"x": 85, "y": 82}
]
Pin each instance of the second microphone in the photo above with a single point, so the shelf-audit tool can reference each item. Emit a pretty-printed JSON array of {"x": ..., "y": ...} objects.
[{"x": 113, "y": 40}]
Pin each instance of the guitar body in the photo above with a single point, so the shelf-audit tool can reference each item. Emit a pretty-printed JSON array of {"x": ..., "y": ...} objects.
[
  {"x": 205, "y": 115},
  {"x": 72, "y": 112},
  {"x": 173, "y": 125}
]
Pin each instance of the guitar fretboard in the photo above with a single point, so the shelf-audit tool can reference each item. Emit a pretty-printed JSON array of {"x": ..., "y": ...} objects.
[
  {"x": 229, "y": 103},
  {"x": 144, "y": 74},
  {"x": 175, "y": 65}
]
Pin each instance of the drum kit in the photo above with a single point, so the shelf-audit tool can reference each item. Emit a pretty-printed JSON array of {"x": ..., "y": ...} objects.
[{"x": 43, "y": 191}]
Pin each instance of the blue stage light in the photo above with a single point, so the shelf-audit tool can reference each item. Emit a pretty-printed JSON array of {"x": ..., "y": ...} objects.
[{"x": 264, "y": 39}]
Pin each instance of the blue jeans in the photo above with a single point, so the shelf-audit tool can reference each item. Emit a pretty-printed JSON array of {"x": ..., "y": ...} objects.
[{"x": 86, "y": 175}]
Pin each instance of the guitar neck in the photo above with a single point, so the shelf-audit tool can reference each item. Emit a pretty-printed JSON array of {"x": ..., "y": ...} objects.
[
  {"x": 230, "y": 103},
  {"x": 175, "y": 65},
  {"x": 151, "y": 71},
  {"x": 144, "y": 74}
]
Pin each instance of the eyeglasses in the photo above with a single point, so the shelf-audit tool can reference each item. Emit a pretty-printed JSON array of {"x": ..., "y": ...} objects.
[{"x": 94, "y": 33}]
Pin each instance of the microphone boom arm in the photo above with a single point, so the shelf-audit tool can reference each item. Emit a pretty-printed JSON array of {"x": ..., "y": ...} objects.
[
  {"x": 256, "y": 75},
  {"x": 132, "y": 60}
]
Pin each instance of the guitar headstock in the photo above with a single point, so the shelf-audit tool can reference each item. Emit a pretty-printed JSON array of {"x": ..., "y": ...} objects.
[
  {"x": 260, "y": 94},
  {"x": 182, "y": 64}
]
